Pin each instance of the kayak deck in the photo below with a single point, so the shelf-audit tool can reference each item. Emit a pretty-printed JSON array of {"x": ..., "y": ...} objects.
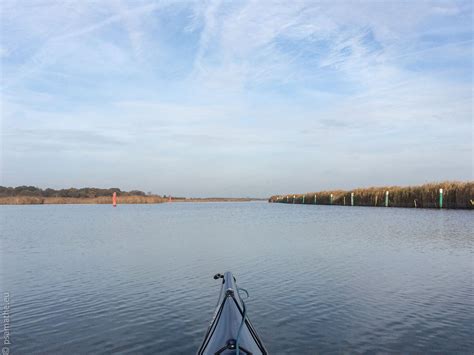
[{"x": 230, "y": 331}]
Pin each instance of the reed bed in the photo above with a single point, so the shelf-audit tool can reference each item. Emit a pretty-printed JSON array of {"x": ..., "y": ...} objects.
[
  {"x": 32, "y": 200},
  {"x": 39, "y": 200},
  {"x": 215, "y": 199},
  {"x": 455, "y": 195}
]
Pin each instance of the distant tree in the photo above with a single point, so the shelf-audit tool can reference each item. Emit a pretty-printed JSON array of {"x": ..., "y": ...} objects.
[
  {"x": 7, "y": 191},
  {"x": 27, "y": 191},
  {"x": 72, "y": 192},
  {"x": 111, "y": 191},
  {"x": 50, "y": 193},
  {"x": 84, "y": 192}
]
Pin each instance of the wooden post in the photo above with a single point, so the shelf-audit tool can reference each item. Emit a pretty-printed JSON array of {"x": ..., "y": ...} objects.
[{"x": 376, "y": 197}]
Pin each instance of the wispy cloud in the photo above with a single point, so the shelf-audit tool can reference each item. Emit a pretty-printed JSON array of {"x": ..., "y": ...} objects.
[
  {"x": 246, "y": 87},
  {"x": 58, "y": 140}
]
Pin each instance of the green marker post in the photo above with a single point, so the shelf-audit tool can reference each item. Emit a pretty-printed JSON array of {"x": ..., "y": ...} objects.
[
  {"x": 330, "y": 199},
  {"x": 303, "y": 199},
  {"x": 386, "y": 198}
]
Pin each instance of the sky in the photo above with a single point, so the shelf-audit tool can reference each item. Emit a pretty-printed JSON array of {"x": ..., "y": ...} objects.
[{"x": 235, "y": 98}]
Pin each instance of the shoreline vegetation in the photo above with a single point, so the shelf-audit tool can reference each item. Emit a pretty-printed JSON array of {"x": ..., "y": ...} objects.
[
  {"x": 450, "y": 195},
  {"x": 31, "y": 195}
]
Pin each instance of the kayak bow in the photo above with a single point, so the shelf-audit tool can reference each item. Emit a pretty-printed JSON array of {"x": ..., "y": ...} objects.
[{"x": 230, "y": 331}]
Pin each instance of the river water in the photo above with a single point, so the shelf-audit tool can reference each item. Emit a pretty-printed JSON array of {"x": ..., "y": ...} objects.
[{"x": 138, "y": 278}]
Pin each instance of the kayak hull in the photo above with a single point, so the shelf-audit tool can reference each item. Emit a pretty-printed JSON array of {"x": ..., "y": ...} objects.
[{"x": 230, "y": 327}]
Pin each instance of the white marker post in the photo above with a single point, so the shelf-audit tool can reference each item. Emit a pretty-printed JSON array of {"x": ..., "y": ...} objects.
[
  {"x": 386, "y": 198},
  {"x": 352, "y": 199}
]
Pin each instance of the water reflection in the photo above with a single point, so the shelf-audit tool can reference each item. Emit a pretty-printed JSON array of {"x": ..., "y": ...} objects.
[{"x": 138, "y": 278}]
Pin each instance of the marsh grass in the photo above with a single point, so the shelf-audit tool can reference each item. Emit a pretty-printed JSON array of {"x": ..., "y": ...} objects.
[
  {"x": 31, "y": 200},
  {"x": 140, "y": 199},
  {"x": 456, "y": 195}
]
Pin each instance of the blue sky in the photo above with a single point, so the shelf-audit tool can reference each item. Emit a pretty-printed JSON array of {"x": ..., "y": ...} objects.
[{"x": 243, "y": 98}]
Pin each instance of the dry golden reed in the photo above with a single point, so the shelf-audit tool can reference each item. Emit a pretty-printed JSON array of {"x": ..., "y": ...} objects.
[
  {"x": 32, "y": 200},
  {"x": 39, "y": 200},
  {"x": 456, "y": 195}
]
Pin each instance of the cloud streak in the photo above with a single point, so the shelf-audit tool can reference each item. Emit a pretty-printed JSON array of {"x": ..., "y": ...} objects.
[{"x": 259, "y": 89}]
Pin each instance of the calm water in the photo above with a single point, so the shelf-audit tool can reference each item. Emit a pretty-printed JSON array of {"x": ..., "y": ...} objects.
[{"x": 138, "y": 278}]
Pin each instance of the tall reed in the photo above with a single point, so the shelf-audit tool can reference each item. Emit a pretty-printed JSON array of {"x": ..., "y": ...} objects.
[
  {"x": 31, "y": 200},
  {"x": 456, "y": 195}
]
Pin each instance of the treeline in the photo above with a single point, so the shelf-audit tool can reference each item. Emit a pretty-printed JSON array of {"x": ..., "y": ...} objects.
[
  {"x": 455, "y": 195},
  {"x": 86, "y": 192}
]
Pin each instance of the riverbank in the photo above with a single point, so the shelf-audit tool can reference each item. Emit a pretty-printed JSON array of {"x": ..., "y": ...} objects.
[
  {"x": 105, "y": 200},
  {"x": 101, "y": 200},
  {"x": 452, "y": 195},
  {"x": 32, "y": 195},
  {"x": 217, "y": 199}
]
